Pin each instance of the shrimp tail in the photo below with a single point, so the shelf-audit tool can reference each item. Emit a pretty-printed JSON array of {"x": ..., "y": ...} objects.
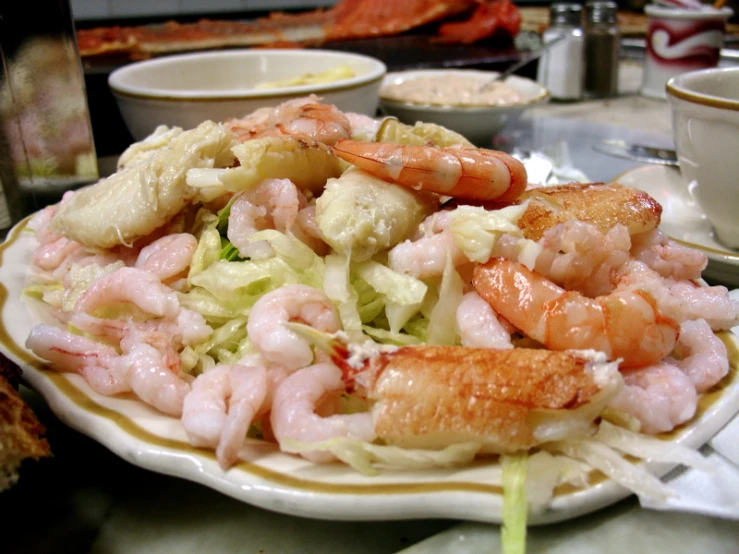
[{"x": 460, "y": 172}]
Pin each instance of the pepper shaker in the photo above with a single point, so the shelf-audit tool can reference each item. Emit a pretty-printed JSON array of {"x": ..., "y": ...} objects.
[
  {"x": 602, "y": 49},
  {"x": 561, "y": 70}
]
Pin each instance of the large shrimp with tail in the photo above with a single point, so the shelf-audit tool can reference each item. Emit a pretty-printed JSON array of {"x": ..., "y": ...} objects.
[
  {"x": 460, "y": 172},
  {"x": 625, "y": 324}
]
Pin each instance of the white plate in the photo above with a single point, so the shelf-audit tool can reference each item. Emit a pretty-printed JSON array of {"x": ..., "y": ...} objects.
[
  {"x": 270, "y": 479},
  {"x": 683, "y": 219}
]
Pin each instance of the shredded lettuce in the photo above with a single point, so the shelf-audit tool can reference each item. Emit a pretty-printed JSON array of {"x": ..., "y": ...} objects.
[
  {"x": 51, "y": 293},
  {"x": 398, "y": 315},
  {"x": 396, "y": 287},
  {"x": 208, "y": 249},
  {"x": 475, "y": 229},
  {"x": 229, "y": 252},
  {"x": 207, "y": 182},
  {"x": 650, "y": 448},
  {"x": 545, "y": 472},
  {"x": 369, "y": 458},
  {"x": 80, "y": 277},
  {"x": 228, "y": 335},
  {"x": 337, "y": 288},
  {"x": 211, "y": 308},
  {"x": 370, "y": 303},
  {"x": 515, "y": 503},
  {"x": 391, "y": 337},
  {"x": 442, "y": 327},
  {"x": 223, "y": 214},
  {"x": 600, "y": 456},
  {"x": 307, "y": 265},
  {"x": 243, "y": 282}
]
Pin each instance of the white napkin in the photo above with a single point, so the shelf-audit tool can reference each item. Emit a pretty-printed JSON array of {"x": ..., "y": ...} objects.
[{"x": 712, "y": 493}]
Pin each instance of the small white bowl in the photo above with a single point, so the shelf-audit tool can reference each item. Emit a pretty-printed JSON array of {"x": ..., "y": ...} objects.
[
  {"x": 478, "y": 123},
  {"x": 188, "y": 89}
]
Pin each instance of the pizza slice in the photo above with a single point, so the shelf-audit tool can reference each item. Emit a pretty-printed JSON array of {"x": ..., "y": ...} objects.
[{"x": 105, "y": 41}]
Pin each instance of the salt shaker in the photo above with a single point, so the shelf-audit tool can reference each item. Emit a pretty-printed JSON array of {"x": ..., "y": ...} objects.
[
  {"x": 602, "y": 49},
  {"x": 561, "y": 70}
]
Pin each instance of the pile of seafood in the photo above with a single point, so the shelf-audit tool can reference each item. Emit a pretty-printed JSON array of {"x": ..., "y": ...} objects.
[{"x": 315, "y": 279}]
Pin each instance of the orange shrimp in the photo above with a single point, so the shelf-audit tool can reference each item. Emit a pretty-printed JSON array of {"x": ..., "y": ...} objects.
[
  {"x": 625, "y": 324},
  {"x": 460, "y": 172}
]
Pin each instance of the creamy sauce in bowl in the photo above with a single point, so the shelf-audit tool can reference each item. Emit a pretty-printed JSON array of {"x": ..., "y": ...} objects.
[{"x": 452, "y": 90}]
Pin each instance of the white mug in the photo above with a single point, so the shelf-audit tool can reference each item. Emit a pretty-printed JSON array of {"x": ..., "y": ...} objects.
[
  {"x": 678, "y": 41},
  {"x": 705, "y": 125}
]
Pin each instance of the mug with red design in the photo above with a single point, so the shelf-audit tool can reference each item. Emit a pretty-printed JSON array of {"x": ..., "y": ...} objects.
[{"x": 680, "y": 40}]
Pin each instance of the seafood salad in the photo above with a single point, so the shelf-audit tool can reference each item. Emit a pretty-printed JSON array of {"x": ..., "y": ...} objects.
[{"x": 382, "y": 294}]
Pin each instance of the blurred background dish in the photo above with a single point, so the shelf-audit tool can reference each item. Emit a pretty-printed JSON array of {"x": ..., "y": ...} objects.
[
  {"x": 185, "y": 90},
  {"x": 454, "y": 103}
]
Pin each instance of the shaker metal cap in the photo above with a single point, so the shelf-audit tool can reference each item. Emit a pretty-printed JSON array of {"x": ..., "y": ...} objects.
[
  {"x": 601, "y": 12},
  {"x": 565, "y": 13}
]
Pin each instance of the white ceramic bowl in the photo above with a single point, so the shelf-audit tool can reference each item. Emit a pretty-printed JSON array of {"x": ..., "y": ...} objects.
[
  {"x": 705, "y": 126},
  {"x": 478, "y": 123},
  {"x": 188, "y": 89}
]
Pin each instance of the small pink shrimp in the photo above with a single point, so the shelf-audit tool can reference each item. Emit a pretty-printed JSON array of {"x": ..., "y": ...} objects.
[
  {"x": 426, "y": 255},
  {"x": 460, "y": 172},
  {"x": 320, "y": 122},
  {"x": 578, "y": 256},
  {"x": 40, "y": 224},
  {"x": 307, "y": 231},
  {"x": 479, "y": 326},
  {"x": 83, "y": 258},
  {"x": 250, "y": 125},
  {"x": 154, "y": 378},
  {"x": 682, "y": 300},
  {"x": 363, "y": 127},
  {"x": 626, "y": 324},
  {"x": 294, "y": 416},
  {"x": 168, "y": 257},
  {"x": 300, "y": 117},
  {"x": 132, "y": 285},
  {"x": 51, "y": 255},
  {"x": 70, "y": 353},
  {"x": 667, "y": 257},
  {"x": 301, "y": 303},
  {"x": 108, "y": 330},
  {"x": 274, "y": 204},
  {"x": 186, "y": 328},
  {"x": 660, "y": 396},
  {"x": 142, "y": 370},
  {"x": 221, "y": 405},
  {"x": 713, "y": 304},
  {"x": 704, "y": 357}
]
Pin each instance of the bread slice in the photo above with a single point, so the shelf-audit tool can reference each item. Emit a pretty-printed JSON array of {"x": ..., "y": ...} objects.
[{"x": 20, "y": 431}]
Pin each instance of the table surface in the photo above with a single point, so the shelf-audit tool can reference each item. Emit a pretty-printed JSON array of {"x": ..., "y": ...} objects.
[{"x": 85, "y": 499}]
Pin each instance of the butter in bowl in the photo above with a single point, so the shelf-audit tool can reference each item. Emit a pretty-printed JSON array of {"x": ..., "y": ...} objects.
[{"x": 463, "y": 100}]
